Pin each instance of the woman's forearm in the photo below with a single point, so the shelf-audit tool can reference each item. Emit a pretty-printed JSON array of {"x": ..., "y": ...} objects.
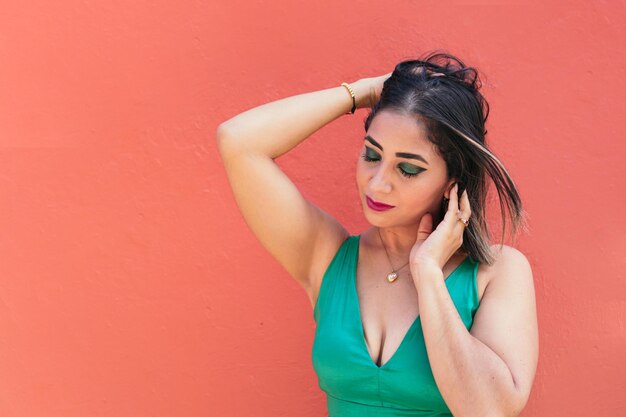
[
  {"x": 472, "y": 378},
  {"x": 275, "y": 128}
]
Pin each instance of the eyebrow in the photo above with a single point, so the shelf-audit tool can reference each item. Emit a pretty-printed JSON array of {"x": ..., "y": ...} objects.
[{"x": 398, "y": 154}]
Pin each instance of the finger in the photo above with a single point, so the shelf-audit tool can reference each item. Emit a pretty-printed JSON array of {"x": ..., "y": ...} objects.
[
  {"x": 425, "y": 227},
  {"x": 453, "y": 205},
  {"x": 466, "y": 210}
]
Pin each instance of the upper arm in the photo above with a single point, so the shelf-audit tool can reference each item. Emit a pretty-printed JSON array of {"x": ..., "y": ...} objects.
[
  {"x": 506, "y": 320},
  {"x": 288, "y": 226}
]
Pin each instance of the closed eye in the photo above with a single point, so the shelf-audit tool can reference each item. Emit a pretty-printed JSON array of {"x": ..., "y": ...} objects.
[{"x": 406, "y": 169}]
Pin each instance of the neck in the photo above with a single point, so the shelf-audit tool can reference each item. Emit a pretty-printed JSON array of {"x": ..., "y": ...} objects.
[{"x": 397, "y": 240}]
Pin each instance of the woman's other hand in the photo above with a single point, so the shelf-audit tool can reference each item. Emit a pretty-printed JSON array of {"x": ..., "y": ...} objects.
[
  {"x": 433, "y": 249},
  {"x": 367, "y": 90}
]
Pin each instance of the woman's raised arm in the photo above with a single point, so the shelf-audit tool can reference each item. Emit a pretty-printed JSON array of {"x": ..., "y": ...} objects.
[{"x": 300, "y": 236}]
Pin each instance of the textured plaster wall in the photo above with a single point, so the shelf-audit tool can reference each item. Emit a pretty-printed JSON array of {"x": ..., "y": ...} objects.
[{"x": 129, "y": 283}]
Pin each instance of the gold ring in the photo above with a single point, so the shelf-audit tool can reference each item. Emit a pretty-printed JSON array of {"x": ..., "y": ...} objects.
[{"x": 465, "y": 222}]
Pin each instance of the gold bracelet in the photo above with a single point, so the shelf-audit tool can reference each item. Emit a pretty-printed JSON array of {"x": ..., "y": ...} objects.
[{"x": 351, "y": 95}]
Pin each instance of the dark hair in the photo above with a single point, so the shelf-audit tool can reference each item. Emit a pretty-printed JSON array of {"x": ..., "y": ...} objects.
[{"x": 441, "y": 92}]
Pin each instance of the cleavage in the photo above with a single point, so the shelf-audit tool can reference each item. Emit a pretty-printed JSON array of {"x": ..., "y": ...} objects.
[{"x": 390, "y": 307}]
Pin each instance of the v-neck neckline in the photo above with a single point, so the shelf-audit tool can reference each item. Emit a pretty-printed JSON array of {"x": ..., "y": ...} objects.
[{"x": 358, "y": 309}]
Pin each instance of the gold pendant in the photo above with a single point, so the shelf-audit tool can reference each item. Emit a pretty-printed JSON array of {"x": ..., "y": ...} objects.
[{"x": 392, "y": 277}]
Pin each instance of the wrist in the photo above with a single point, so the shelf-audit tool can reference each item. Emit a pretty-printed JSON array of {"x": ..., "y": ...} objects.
[
  {"x": 352, "y": 95},
  {"x": 427, "y": 276},
  {"x": 362, "y": 93},
  {"x": 426, "y": 268}
]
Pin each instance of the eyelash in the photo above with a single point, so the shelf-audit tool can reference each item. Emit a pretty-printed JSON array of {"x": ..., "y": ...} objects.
[{"x": 368, "y": 159}]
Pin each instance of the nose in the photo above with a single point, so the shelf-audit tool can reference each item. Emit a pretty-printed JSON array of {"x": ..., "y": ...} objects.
[{"x": 380, "y": 184}]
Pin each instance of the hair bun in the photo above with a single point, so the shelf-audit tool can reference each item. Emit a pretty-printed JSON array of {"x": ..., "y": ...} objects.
[{"x": 440, "y": 65}]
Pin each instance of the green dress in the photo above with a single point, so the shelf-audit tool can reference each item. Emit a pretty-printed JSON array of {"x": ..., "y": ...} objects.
[{"x": 355, "y": 386}]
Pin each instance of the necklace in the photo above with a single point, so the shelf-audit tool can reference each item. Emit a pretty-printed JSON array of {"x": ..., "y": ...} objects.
[{"x": 393, "y": 275}]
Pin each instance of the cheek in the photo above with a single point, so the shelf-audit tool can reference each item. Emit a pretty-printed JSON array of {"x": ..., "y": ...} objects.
[
  {"x": 359, "y": 180},
  {"x": 361, "y": 174},
  {"x": 424, "y": 196}
]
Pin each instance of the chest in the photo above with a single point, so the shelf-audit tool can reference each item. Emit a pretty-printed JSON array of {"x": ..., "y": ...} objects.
[
  {"x": 347, "y": 354},
  {"x": 387, "y": 310}
]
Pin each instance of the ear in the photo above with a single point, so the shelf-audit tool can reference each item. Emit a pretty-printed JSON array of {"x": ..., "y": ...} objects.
[{"x": 449, "y": 186}]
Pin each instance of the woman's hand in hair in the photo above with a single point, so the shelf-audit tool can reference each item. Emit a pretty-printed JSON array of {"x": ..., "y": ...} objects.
[{"x": 367, "y": 90}]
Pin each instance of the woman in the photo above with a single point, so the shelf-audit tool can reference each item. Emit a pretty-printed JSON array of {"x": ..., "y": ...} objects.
[{"x": 418, "y": 315}]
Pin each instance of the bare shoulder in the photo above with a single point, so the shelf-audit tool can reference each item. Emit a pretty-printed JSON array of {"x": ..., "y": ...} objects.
[
  {"x": 509, "y": 263},
  {"x": 326, "y": 246}
]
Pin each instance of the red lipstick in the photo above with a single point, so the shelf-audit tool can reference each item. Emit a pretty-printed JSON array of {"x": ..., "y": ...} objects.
[{"x": 375, "y": 205}]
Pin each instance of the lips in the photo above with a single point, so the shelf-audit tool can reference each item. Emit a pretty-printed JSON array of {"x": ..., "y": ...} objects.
[{"x": 377, "y": 205}]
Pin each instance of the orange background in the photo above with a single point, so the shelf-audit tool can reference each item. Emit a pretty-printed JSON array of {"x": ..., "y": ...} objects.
[{"x": 130, "y": 284}]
